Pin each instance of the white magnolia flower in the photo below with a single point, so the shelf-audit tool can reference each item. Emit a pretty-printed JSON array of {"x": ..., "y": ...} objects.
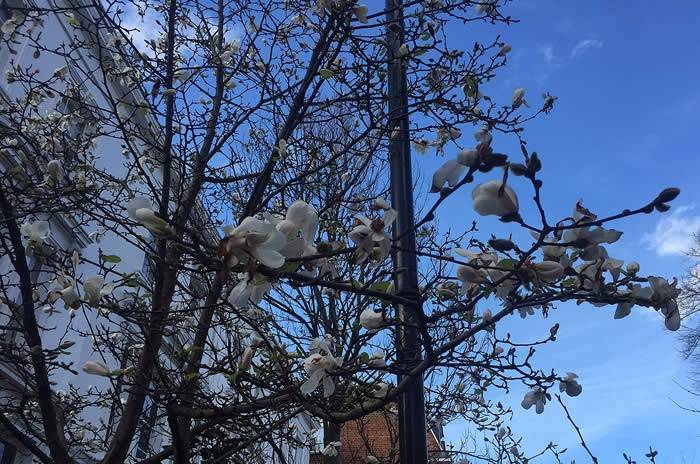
[
  {"x": 380, "y": 204},
  {"x": 249, "y": 291},
  {"x": 470, "y": 277},
  {"x": 519, "y": 98},
  {"x": 247, "y": 358},
  {"x": 420, "y": 146},
  {"x": 632, "y": 267},
  {"x": 318, "y": 367},
  {"x": 494, "y": 199},
  {"x": 61, "y": 72},
  {"x": 360, "y": 12},
  {"x": 299, "y": 229},
  {"x": 377, "y": 360},
  {"x": 95, "y": 289},
  {"x": 97, "y": 368},
  {"x": 371, "y": 320},
  {"x": 141, "y": 210},
  {"x": 257, "y": 239},
  {"x": 449, "y": 172},
  {"x": 570, "y": 385},
  {"x": 549, "y": 271},
  {"x": 35, "y": 232},
  {"x": 55, "y": 172},
  {"x": 331, "y": 449},
  {"x": 381, "y": 390},
  {"x": 371, "y": 236},
  {"x": 9, "y": 26},
  {"x": 505, "y": 49},
  {"x": 535, "y": 397}
]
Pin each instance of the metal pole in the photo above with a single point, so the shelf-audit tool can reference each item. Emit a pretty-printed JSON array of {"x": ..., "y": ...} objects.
[{"x": 412, "y": 427}]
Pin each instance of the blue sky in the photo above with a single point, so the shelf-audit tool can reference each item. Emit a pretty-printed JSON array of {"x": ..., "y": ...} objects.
[{"x": 624, "y": 127}]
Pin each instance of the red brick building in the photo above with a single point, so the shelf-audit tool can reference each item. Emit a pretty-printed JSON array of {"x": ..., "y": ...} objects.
[{"x": 377, "y": 435}]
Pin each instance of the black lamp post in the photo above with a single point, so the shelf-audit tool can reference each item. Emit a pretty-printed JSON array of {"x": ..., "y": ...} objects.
[{"x": 412, "y": 426}]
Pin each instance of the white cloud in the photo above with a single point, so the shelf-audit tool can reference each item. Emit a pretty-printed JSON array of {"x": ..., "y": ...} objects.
[
  {"x": 673, "y": 234},
  {"x": 584, "y": 45},
  {"x": 141, "y": 29},
  {"x": 547, "y": 52}
]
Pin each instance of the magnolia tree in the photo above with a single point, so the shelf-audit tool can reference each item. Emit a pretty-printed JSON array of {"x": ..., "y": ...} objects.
[{"x": 238, "y": 150}]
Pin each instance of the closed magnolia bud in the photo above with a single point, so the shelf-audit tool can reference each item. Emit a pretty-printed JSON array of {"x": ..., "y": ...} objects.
[
  {"x": 668, "y": 194},
  {"x": 632, "y": 267}
]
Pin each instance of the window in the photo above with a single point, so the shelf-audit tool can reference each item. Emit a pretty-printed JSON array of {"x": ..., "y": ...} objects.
[{"x": 7, "y": 453}]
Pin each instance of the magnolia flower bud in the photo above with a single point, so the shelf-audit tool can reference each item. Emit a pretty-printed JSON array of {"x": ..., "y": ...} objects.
[
  {"x": 632, "y": 267},
  {"x": 504, "y": 50},
  {"x": 247, "y": 358},
  {"x": 519, "y": 97},
  {"x": 97, "y": 368},
  {"x": 488, "y": 200}
]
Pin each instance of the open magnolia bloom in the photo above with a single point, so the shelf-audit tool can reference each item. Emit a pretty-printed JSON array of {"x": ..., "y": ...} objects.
[
  {"x": 95, "y": 289},
  {"x": 299, "y": 228},
  {"x": 535, "y": 397},
  {"x": 371, "y": 236},
  {"x": 570, "y": 385},
  {"x": 360, "y": 12},
  {"x": 318, "y": 368},
  {"x": 141, "y": 210},
  {"x": 66, "y": 292},
  {"x": 494, "y": 198},
  {"x": 249, "y": 291},
  {"x": 254, "y": 238},
  {"x": 470, "y": 277},
  {"x": 35, "y": 233},
  {"x": 664, "y": 297}
]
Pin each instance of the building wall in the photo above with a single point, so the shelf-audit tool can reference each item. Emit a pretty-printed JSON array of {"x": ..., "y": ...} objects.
[{"x": 376, "y": 434}]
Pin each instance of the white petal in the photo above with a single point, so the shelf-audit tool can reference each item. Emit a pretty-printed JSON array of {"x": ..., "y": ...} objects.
[{"x": 137, "y": 203}]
